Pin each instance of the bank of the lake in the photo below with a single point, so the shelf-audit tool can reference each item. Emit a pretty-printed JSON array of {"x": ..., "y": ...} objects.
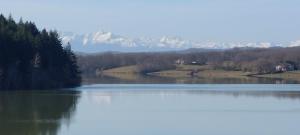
[
  {"x": 196, "y": 71},
  {"x": 292, "y": 75}
]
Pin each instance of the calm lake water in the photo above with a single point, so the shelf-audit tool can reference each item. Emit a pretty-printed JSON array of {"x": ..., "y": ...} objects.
[
  {"x": 146, "y": 79},
  {"x": 154, "y": 109}
]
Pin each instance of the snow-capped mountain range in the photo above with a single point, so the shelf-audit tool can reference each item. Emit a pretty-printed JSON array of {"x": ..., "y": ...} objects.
[{"x": 107, "y": 41}]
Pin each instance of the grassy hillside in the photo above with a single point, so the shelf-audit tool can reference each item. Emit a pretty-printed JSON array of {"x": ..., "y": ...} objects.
[
  {"x": 185, "y": 71},
  {"x": 122, "y": 70},
  {"x": 206, "y": 71}
]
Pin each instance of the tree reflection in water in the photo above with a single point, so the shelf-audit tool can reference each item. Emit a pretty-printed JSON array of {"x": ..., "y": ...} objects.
[
  {"x": 148, "y": 79},
  {"x": 36, "y": 113}
]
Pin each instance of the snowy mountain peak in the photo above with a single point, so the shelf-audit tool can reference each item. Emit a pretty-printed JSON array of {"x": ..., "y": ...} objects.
[
  {"x": 173, "y": 42},
  {"x": 107, "y": 41},
  {"x": 100, "y": 37}
]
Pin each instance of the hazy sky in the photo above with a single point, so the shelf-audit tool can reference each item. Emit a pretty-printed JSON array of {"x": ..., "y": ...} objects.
[{"x": 201, "y": 20}]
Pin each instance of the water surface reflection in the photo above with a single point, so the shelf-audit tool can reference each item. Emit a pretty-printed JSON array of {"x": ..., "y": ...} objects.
[
  {"x": 149, "y": 109},
  {"x": 36, "y": 113},
  {"x": 141, "y": 79}
]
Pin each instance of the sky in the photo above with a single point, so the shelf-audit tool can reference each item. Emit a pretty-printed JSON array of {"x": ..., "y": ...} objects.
[{"x": 201, "y": 20}]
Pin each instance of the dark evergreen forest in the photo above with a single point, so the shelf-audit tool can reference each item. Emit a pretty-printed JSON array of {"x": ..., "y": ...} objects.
[{"x": 34, "y": 59}]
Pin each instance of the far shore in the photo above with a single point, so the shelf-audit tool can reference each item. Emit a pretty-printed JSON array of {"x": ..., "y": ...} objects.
[{"x": 188, "y": 71}]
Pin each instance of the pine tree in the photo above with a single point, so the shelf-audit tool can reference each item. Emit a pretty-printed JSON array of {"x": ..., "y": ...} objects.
[{"x": 34, "y": 59}]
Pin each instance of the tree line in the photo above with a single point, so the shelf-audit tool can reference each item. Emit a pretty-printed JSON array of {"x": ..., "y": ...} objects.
[
  {"x": 146, "y": 62},
  {"x": 254, "y": 60},
  {"x": 34, "y": 59}
]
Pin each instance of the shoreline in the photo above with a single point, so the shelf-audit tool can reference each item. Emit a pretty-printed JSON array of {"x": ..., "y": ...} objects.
[{"x": 204, "y": 72}]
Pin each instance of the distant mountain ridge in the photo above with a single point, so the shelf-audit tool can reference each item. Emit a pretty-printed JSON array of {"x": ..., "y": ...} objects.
[{"x": 107, "y": 41}]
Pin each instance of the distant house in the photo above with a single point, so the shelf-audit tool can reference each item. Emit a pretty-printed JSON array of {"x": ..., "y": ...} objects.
[
  {"x": 179, "y": 62},
  {"x": 197, "y": 62},
  {"x": 284, "y": 67}
]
